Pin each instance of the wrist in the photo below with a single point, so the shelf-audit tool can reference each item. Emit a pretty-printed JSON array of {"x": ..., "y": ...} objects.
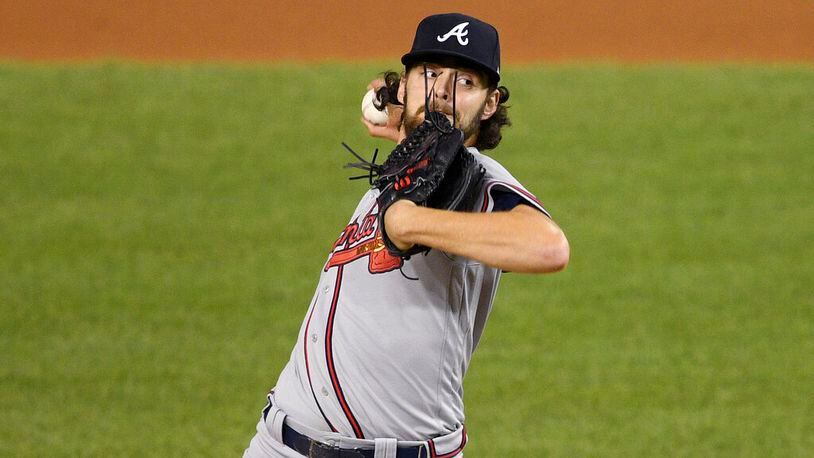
[{"x": 396, "y": 222}]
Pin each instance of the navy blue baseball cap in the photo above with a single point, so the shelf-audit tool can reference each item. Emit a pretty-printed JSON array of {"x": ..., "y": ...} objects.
[{"x": 459, "y": 36}]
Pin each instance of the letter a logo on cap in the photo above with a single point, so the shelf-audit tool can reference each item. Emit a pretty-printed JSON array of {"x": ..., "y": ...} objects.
[{"x": 459, "y": 31}]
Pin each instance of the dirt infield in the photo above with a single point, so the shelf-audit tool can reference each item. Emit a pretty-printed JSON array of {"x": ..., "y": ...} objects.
[{"x": 553, "y": 30}]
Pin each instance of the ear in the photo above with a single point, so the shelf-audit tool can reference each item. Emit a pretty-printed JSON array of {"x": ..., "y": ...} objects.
[
  {"x": 402, "y": 87},
  {"x": 491, "y": 104}
]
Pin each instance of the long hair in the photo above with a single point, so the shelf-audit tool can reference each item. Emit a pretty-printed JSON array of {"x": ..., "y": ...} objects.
[{"x": 489, "y": 133}]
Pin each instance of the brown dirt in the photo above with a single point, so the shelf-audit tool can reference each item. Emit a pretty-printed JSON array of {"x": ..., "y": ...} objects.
[{"x": 272, "y": 30}]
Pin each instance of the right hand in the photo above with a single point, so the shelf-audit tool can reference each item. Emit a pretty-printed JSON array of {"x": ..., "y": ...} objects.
[{"x": 391, "y": 130}]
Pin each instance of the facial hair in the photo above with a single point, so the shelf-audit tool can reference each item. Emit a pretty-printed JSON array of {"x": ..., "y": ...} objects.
[{"x": 470, "y": 128}]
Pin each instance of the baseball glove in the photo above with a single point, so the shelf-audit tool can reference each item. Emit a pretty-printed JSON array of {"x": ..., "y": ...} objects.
[{"x": 430, "y": 167}]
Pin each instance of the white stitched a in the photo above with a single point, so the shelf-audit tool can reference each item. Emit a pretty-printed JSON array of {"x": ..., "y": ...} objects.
[{"x": 459, "y": 31}]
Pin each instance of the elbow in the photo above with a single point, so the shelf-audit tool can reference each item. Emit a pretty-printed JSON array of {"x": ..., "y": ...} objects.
[
  {"x": 552, "y": 255},
  {"x": 562, "y": 255}
]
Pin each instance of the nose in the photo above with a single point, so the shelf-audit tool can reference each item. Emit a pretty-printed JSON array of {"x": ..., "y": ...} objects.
[{"x": 443, "y": 86}]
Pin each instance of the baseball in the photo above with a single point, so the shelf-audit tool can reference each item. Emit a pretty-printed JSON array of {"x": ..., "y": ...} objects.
[{"x": 370, "y": 112}]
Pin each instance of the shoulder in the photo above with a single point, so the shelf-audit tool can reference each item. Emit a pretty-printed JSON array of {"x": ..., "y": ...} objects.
[
  {"x": 494, "y": 169},
  {"x": 501, "y": 190}
]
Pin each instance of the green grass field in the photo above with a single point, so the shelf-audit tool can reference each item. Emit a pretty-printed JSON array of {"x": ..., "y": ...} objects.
[{"x": 162, "y": 229}]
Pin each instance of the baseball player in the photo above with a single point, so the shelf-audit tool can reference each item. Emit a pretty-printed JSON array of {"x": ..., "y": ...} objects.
[{"x": 378, "y": 366}]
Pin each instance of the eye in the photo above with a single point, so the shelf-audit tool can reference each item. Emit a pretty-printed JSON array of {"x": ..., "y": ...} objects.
[
  {"x": 430, "y": 73},
  {"x": 466, "y": 81}
]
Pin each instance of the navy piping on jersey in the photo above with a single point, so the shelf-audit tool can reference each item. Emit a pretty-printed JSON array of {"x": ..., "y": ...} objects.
[
  {"x": 308, "y": 368},
  {"x": 357, "y": 430},
  {"x": 529, "y": 197}
]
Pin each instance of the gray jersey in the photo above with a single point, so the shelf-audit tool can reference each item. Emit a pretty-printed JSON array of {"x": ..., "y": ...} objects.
[{"x": 385, "y": 344}]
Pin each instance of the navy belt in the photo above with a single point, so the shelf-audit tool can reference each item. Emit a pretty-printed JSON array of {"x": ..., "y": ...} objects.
[{"x": 315, "y": 449}]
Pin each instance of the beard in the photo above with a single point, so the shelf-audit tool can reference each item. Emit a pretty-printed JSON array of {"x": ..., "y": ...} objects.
[{"x": 470, "y": 127}]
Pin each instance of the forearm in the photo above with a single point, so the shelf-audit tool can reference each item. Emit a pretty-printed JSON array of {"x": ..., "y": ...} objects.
[{"x": 523, "y": 240}]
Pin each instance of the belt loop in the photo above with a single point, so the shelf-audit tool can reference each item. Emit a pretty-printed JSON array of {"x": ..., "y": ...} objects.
[
  {"x": 385, "y": 448},
  {"x": 274, "y": 418},
  {"x": 276, "y": 426}
]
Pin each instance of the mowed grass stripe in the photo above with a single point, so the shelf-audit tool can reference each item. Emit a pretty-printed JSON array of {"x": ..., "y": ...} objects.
[{"x": 162, "y": 229}]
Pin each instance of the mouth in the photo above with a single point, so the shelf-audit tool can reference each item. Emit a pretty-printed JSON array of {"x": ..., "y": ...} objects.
[{"x": 446, "y": 113}]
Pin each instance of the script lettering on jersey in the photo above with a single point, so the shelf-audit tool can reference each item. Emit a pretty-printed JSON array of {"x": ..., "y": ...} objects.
[
  {"x": 459, "y": 31},
  {"x": 360, "y": 240}
]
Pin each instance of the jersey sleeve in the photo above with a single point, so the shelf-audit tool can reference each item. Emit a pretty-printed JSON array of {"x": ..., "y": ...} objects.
[{"x": 501, "y": 190}]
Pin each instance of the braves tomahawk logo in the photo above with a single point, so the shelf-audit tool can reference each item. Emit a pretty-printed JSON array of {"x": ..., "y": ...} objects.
[
  {"x": 459, "y": 32},
  {"x": 358, "y": 240}
]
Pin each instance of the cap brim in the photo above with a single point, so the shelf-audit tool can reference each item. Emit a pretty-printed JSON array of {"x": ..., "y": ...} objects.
[{"x": 426, "y": 56}]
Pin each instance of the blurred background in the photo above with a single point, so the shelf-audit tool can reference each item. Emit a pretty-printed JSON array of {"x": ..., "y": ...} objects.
[
  {"x": 171, "y": 182},
  {"x": 553, "y": 30}
]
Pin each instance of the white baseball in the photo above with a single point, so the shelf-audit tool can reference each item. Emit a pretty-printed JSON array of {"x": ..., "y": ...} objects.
[{"x": 370, "y": 112}]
